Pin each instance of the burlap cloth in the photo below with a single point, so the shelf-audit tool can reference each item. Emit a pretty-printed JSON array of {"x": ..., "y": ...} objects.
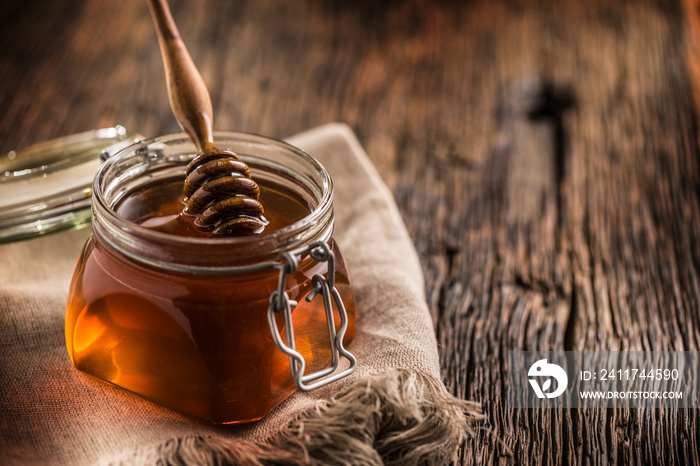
[{"x": 393, "y": 409}]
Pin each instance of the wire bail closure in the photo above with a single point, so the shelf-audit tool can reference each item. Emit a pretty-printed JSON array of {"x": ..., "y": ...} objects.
[{"x": 280, "y": 302}]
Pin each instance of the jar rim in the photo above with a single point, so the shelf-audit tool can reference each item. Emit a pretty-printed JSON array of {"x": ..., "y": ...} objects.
[{"x": 318, "y": 212}]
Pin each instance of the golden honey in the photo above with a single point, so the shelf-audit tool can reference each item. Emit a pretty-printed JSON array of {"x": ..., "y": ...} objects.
[{"x": 158, "y": 308}]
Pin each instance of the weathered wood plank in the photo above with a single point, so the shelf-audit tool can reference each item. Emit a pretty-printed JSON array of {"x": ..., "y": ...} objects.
[
  {"x": 543, "y": 154},
  {"x": 578, "y": 220}
]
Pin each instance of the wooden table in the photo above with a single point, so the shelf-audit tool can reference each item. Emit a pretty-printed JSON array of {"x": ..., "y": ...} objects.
[{"x": 544, "y": 156}]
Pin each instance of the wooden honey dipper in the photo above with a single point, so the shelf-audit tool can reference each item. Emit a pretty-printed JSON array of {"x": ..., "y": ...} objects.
[{"x": 218, "y": 189}]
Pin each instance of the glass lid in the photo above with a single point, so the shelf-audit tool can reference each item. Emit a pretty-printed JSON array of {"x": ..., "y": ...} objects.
[{"x": 47, "y": 187}]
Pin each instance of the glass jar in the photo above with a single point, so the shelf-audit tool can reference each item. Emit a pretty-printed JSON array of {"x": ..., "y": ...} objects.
[{"x": 195, "y": 324}]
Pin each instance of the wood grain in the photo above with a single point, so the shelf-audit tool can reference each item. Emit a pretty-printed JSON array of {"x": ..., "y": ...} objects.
[{"x": 544, "y": 156}]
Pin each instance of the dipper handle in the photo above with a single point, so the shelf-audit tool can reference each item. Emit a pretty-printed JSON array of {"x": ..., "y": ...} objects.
[{"x": 189, "y": 96}]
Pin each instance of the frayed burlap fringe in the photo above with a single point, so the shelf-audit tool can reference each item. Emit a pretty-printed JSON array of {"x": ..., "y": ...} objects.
[{"x": 399, "y": 417}]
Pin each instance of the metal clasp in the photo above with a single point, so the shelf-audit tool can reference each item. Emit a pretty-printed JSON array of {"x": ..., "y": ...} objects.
[{"x": 280, "y": 302}]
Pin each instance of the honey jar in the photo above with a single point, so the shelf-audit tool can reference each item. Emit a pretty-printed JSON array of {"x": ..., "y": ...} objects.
[{"x": 221, "y": 328}]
